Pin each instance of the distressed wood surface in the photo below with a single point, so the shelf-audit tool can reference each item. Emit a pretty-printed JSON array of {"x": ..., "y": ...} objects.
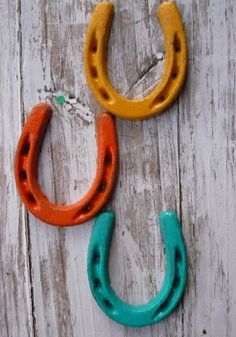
[{"x": 182, "y": 160}]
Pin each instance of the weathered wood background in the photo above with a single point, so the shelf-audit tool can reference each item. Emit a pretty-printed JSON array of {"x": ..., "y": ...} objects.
[{"x": 184, "y": 159}]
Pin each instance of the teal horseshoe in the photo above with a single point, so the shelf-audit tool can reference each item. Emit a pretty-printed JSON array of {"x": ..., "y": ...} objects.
[{"x": 174, "y": 283}]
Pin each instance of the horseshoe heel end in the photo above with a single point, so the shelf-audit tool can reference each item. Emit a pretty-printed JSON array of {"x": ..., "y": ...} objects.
[
  {"x": 176, "y": 58},
  {"x": 27, "y": 150},
  {"x": 104, "y": 12},
  {"x": 106, "y": 130},
  {"x": 167, "y": 10},
  {"x": 99, "y": 245},
  {"x": 170, "y": 228},
  {"x": 176, "y": 273},
  {"x": 38, "y": 119},
  {"x": 173, "y": 239},
  {"x": 175, "y": 37},
  {"x": 98, "y": 30},
  {"x": 95, "y": 50}
]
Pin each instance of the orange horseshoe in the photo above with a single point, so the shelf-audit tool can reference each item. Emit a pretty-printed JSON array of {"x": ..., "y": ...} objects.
[
  {"x": 168, "y": 89},
  {"x": 26, "y": 162}
]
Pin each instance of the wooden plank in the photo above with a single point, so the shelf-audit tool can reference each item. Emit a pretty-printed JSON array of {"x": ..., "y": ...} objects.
[
  {"x": 207, "y": 145},
  {"x": 61, "y": 292},
  {"x": 58, "y": 256},
  {"x": 15, "y": 291}
]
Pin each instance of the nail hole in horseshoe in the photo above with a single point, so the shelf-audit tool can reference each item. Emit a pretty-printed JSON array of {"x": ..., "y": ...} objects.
[
  {"x": 102, "y": 186},
  {"x": 97, "y": 283},
  {"x": 158, "y": 100},
  {"x": 94, "y": 49},
  {"x": 164, "y": 305},
  {"x": 108, "y": 304},
  {"x": 178, "y": 257},
  {"x": 108, "y": 157},
  {"x": 175, "y": 71},
  {"x": 104, "y": 94},
  {"x": 94, "y": 43},
  {"x": 23, "y": 175},
  {"x": 176, "y": 281},
  {"x": 86, "y": 208},
  {"x": 96, "y": 257},
  {"x": 25, "y": 149},
  {"x": 31, "y": 198},
  {"x": 94, "y": 72},
  {"x": 177, "y": 44}
]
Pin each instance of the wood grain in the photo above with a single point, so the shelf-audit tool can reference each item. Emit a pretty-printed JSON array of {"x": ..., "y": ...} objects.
[
  {"x": 182, "y": 160},
  {"x": 15, "y": 282}
]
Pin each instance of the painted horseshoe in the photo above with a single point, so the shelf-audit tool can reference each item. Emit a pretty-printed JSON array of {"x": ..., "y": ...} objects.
[
  {"x": 174, "y": 283},
  {"x": 26, "y": 162},
  {"x": 172, "y": 79}
]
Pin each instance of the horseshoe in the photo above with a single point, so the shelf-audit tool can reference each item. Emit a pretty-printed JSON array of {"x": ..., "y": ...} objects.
[
  {"x": 172, "y": 79},
  {"x": 174, "y": 283},
  {"x": 26, "y": 162}
]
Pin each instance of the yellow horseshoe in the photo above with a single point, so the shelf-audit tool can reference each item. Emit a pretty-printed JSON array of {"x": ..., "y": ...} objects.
[{"x": 172, "y": 79}]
